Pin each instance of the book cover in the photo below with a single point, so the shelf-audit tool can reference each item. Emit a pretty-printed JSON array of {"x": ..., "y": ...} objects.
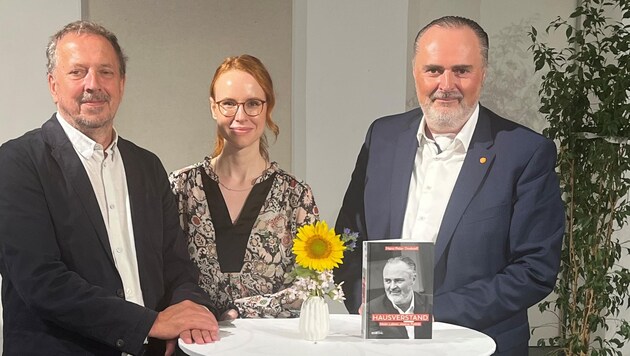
[{"x": 397, "y": 289}]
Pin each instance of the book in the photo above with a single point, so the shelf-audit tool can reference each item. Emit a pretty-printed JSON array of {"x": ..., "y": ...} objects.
[{"x": 397, "y": 289}]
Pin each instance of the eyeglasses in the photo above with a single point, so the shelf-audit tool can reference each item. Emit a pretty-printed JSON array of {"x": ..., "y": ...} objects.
[{"x": 252, "y": 107}]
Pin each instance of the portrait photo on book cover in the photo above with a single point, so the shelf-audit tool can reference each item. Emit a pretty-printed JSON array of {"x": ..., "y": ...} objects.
[{"x": 399, "y": 291}]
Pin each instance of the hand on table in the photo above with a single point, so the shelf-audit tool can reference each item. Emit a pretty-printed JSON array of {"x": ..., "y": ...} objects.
[
  {"x": 186, "y": 318},
  {"x": 189, "y": 336}
]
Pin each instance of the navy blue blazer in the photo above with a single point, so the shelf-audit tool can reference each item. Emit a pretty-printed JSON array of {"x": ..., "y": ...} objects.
[
  {"x": 498, "y": 249},
  {"x": 61, "y": 291}
]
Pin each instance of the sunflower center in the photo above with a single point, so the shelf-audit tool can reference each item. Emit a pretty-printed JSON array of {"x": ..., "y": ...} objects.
[{"x": 318, "y": 247}]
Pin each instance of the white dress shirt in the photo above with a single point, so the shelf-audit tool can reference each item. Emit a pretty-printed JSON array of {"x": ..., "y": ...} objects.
[
  {"x": 433, "y": 178},
  {"x": 411, "y": 331},
  {"x": 106, "y": 172}
]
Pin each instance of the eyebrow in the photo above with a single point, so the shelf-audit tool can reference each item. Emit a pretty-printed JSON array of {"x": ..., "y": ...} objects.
[
  {"x": 441, "y": 68},
  {"x": 463, "y": 67},
  {"x": 432, "y": 67}
]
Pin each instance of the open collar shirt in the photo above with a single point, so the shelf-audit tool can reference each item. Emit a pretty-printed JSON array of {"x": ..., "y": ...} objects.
[
  {"x": 411, "y": 333},
  {"x": 437, "y": 165},
  {"x": 106, "y": 171}
]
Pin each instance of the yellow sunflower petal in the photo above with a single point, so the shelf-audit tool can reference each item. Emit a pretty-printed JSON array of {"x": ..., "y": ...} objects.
[{"x": 317, "y": 247}]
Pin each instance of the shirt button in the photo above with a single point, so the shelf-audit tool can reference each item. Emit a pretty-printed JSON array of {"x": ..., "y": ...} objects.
[
  {"x": 119, "y": 250},
  {"x": 128, "y": 291},
  {"x": 112, "y": 206}
]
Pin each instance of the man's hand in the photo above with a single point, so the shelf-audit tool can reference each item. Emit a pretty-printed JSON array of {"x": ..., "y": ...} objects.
[
  {"x": 187, "y": 320},
  {"x": 188, "y": 336}
]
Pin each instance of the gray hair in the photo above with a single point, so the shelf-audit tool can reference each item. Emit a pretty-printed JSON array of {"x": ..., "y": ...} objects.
[
  {"x": 84, "y": 27},
  {"x": 458, "y": 22},
  {"x": 404, "y": 259}
]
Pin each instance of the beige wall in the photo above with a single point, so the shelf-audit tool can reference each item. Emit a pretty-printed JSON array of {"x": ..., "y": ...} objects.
[
  {"x": 174, "y": 48},
  {"x": 25, "y": 27}
]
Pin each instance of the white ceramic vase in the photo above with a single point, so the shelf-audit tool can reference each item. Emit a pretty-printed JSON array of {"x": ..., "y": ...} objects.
[{"x": 314, "y": 319}]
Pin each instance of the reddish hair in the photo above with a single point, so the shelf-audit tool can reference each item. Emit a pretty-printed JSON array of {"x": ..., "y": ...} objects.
[{"x": 254, "y": 67}]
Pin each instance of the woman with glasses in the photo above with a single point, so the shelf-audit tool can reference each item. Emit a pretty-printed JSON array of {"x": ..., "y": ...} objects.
[{"x": 238, "y": 208}]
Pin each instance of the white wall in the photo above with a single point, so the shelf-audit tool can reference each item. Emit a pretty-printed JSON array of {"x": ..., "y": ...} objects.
[
  {"x": 350, "y": 62},
  {"x": 25, "y": 26},
  {"x": 624, "y": 236}
]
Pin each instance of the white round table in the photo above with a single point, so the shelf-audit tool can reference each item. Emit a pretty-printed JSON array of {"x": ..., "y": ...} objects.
[{"x": 279, "y": 337}]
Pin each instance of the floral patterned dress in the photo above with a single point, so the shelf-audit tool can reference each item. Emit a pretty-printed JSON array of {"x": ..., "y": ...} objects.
[{"x": 259, "y": 289}]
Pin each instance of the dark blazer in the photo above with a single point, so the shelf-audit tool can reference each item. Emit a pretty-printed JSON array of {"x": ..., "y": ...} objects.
[
  {"x": 382, "y": 305},
  {"x": 498, "y": 248},
  {"x": 61, "y": 292}
]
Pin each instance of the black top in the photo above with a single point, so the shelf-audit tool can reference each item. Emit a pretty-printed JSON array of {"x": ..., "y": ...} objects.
[{"x": 231, "y": 238}]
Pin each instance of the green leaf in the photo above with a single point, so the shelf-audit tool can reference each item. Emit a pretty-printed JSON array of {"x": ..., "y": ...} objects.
[{"x": 584, "y": 90}]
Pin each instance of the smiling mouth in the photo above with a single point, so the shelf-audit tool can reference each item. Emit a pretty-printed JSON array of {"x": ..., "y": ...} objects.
[
  {"x": 446, "y": 97},
  {"x": 94, "y": 98},
  {"x": 446, "y": 100}
]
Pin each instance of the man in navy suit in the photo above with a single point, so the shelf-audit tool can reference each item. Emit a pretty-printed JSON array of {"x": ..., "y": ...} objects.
[
  {"x": 92, "y": 256},
  {"x": 482, "y": 188}
]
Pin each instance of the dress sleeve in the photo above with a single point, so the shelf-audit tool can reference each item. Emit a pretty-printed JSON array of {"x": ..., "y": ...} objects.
[{"x": 283, "y": 304}]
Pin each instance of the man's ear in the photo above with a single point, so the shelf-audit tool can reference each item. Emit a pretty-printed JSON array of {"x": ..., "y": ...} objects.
[
  {"x": 123, "y": 80},
  {"x": 52, "y": 86}
]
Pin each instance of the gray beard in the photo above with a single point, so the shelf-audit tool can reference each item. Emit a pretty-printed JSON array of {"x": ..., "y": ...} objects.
[
  {"x": 87, "y": 124},
  {"x": 447, "y": 120}
]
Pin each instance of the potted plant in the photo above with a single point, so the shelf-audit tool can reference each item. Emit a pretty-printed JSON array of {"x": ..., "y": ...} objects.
[{"x": 585, "y": 97}]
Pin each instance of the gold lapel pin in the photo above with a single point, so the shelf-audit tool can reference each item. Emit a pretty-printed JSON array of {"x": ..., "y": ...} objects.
[{"x": 482, "y": 160}]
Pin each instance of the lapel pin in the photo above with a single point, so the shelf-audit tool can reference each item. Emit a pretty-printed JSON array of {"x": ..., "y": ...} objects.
[{"x": 482, "y": 160}]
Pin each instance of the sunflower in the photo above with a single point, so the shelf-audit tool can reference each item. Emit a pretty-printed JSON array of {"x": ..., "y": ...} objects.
[{"x": 318, "y": 248}]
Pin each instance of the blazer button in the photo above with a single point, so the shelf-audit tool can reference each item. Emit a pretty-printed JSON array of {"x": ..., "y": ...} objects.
[
  {"x": 120, "y": 343},
  {"x": 120, "y": 293}
]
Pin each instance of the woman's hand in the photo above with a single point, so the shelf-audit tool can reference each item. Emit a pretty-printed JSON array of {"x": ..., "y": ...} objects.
[{"x": 229, "y": 315}]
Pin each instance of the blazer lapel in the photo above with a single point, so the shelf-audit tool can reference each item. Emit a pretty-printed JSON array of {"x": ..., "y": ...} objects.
[
  {"x": 69, "y": 162},
  {"x": 478, "y": 161},
  {"x": 404, "y": 159}
]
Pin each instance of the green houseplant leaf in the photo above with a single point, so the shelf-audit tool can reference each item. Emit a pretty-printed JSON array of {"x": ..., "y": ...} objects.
[{"x": 585, "y": 98}]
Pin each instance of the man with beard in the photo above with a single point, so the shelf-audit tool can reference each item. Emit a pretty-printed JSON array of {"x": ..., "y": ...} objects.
[
  {"x": 480, "y": 187},
  {"x": 92, "y": 256},
  {"x": 399, "y": 277}
]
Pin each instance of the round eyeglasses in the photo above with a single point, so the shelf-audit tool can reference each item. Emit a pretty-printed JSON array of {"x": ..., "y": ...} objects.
[{"x": 252, "y": 107}]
